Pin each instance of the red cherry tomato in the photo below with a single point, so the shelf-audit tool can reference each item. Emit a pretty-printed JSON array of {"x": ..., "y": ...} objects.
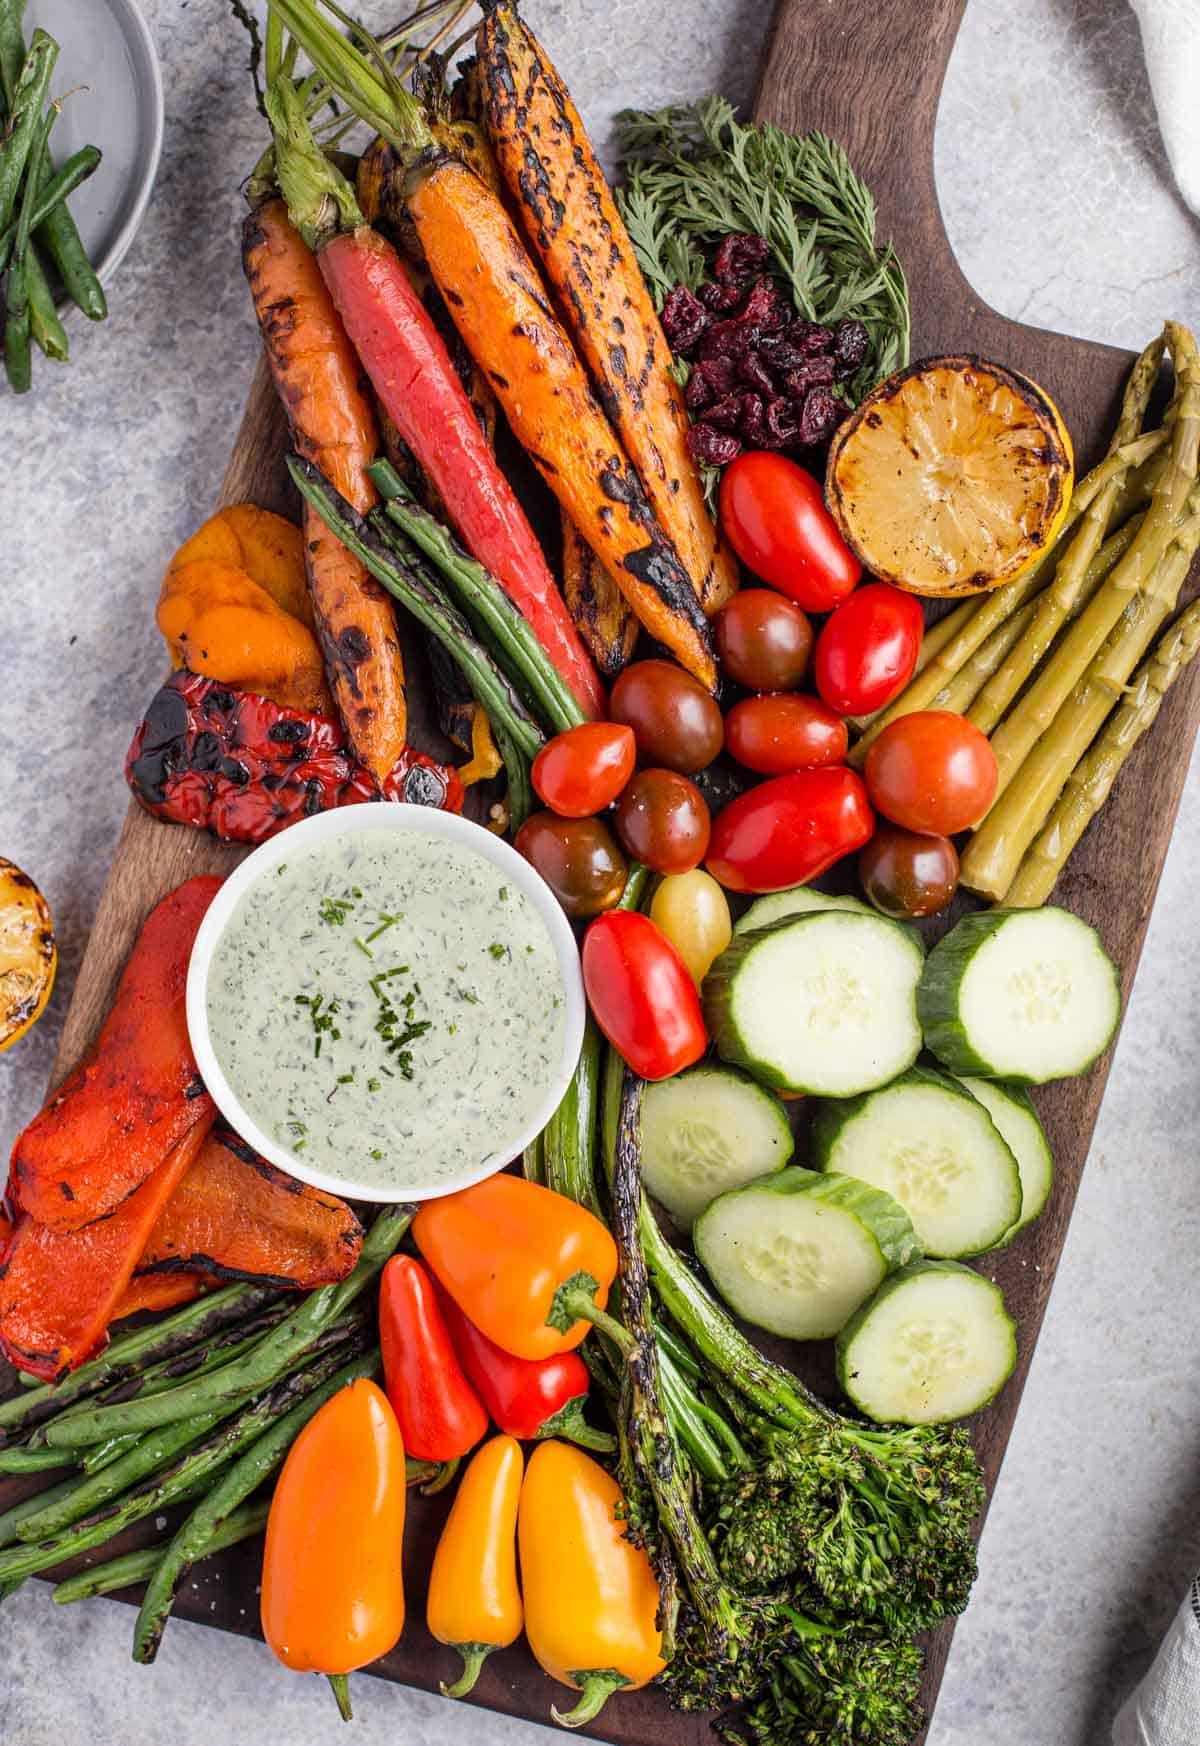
[
  {"x": 787, "y": 831},
  {"x": 785, "y": 732},
  {"x": 642, "y": 995},
  {"x": 674, "y": 720},
  {"x": 764, "y": 641},
  {"x": 662, "y": 820},
  {"x": 775, "y": 516},
  {"x": 868, "y": 648},
  {"x": 932, "y": 772},
  {"x": 582, "y": 771},
  {"x": 904, "y": 874}
]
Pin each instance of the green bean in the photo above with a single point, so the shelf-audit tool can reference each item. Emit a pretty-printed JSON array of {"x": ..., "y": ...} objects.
[
  {"x": 193, "y": 1469},
  {"x": 256, "y": 1369},
  {"x": 149, "y": 1454},
  {"x": 48, "y": 332},
  {"x": 59, "y": 236},
  {"x": 12, "y": 48},
  {"x": 25, "y": 269},
  {"x": 33, "y": 1460},
  {"x": 53, "y": 192},
  {"x": 132, "y": 1568},
  {"x": 25, "y": 119},
  {"x": 104, "y": 1454},
  {"x": 125, "y": 1356},
  {"x": 196, "y": 1536},
  {"x": 11, "y": 1518}
]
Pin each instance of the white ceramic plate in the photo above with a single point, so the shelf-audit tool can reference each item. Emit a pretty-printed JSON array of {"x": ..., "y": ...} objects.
[
  {"x": 108, "y": 63},
  {"x": 347, "y": 821}
]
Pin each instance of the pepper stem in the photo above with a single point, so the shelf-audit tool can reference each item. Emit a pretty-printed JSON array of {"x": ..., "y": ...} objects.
[
  {"x": 339, "y": 1685},
  {"x": 570, "y": 1423},
  {"x": 574, "y": 1302},
  {"x": 443, "y": 1473},
  {"x": 474, "y": 1655},
  {"x": 595, "y": 1689}
]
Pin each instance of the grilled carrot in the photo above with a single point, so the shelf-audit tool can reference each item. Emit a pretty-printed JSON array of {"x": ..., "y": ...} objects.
[
  {"x": 502, "y": 311},
  {"x": 571, "y": 219},
  {"x": 318, "y": 378},
  {"x": 602, "y": 615}
]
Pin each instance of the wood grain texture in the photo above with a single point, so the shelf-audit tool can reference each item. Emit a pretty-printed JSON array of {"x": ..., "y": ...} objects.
[{"x": 870, "y": 75}]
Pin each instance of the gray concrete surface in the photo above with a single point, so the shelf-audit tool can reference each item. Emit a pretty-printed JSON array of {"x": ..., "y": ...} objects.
[{"x": 1057, "y": 198}]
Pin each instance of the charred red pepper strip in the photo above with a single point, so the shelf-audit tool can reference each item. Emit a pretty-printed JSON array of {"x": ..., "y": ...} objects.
[
  {"x": 526, "y": 1397},
  {"x": 441, "y": 1417},
  {"x": 244, "y": 768}
]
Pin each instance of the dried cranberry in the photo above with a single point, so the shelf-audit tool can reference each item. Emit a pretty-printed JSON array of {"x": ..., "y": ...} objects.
[
  {"x": 740, "y": 255},
  {"x": 783, "y": 423},
  {"x": 810, "y": 338},
  {"x": 812, "y": 373},
  {"x": 729, "y": 339},
  {"x": 851, "y": 342},
  {"x": 711, "y": 379},
  {"x": 819, "y": 418},
  {"x": 765, "y": 307},
  {"x": 727, "y": 413},
  {"x": 753, "y": 425},
  {"x": 752, "y": 368},
  {"x": 713, "y": 447},
  {"x": 684, "y": 319},
  {"x": 719, "y": 298},
  {"x": 779, "y": 354}
]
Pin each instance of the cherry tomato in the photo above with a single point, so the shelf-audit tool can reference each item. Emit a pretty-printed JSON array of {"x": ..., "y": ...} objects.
[
  {"x": 577, "y": 857},
  {"x": 776, "y": 734},
  {"x": 775, "y": 516},
  {"x": 674, "y": 720},
  {"x": 641, "y": 995},
  {"x": 662, "y": 820},
  {"x": 787, "y": 831},
  {"x": 764, "y": 640},
  {"x": 582, "y": 771},
  {"x": 932, "y": 772},
  {"x": 905, "y": 874},
  {"x": 868, "y": 648},
  {"x": 691, "y": 909}
]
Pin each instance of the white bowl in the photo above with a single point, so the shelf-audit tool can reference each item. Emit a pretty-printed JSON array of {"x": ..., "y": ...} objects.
[{"x": 352, "y": 821}]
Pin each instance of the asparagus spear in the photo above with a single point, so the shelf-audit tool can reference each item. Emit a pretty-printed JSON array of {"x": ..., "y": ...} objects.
[
  {"x": 1016, "y": 737},
  {"x": 1057, "y": 603},
  {"x": 132, "y": 1568},
  {"x": 997, "y": 849},
  {"x": 1090, "y": 783}
]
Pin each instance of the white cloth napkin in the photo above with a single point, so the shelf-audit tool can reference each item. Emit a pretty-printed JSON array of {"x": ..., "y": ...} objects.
[
  {"x": 1171, "y": 39},
  {"x": 1165, "y": 1708}
]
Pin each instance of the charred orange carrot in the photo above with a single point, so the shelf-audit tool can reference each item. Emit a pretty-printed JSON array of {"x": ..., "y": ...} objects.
[
  {"x": 602, "y": 615},
  {"x": 319, "y": 381},
  {"x": 500, "y": 307},
  {"x": 135, "y": 1095},
  {"x": 568, "y": 212}
]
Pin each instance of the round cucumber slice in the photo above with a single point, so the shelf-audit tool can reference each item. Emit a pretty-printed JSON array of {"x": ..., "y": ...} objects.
[
  {"x": 797, "y": 900},
  {"x": 934, "y": 1343},
  {"x": 1011, "y": 1108},
  {"x": 930, "y": 1145},
  {"x": 706, "y": 1132},
  {"x": 1019, "y": 994},
  {"x": 799, "y": 1252}
]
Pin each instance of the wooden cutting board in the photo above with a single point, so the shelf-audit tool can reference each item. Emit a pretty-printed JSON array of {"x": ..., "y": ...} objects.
[{"x": 870, "y": 75}]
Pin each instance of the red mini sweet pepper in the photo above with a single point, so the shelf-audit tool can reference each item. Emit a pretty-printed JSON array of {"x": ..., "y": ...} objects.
[
  {"x": 527, "y": 1398},
  {"x": 440, "y": 1415}
]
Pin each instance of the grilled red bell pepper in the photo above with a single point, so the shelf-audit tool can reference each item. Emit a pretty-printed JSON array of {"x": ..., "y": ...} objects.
[
  {"x": 244, "y": 767},
  {"x": 527, "y": 1398},
  {"x": 441, "y": 1417}
]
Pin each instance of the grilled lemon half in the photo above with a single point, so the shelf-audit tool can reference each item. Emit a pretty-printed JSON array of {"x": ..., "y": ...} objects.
[
  {"x": 953, "y": 476},
  {"x": 28, "y": 954}
]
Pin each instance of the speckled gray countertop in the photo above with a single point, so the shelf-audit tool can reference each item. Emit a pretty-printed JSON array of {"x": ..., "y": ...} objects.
[{"x": 1057, "y": 199}]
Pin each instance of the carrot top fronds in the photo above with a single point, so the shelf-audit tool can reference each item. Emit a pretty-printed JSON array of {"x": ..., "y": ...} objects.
[
  {"x": 364, "y": 80},
  {"x": 320, "y": 201}
]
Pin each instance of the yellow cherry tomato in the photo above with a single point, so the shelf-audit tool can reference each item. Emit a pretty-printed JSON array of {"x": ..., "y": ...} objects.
[{"x": 691, "y": 909}]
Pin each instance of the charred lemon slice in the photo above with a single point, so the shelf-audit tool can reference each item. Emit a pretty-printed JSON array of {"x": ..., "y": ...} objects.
[
  {"x": 953, "y": 476},
  {"x": 28, "y": 955}
]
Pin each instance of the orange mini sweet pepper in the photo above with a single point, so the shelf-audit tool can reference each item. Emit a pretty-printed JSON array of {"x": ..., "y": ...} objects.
[
  {"x": 474, "y": 1602},
  {"x": 530, "y": 1268},
  {"x": 591, "y": 1599},
  {"x": 333, "y": 1580}
]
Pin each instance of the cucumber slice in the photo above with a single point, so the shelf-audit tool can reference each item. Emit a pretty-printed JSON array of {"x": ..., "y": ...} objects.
[
  {"x": 797, "y": 900},
  {"x": 933, "y": 1147},
  {"x": 1021, "y": 994},
  {"x": 1011, "y": 1108},
  {"x": 935, "y": 1343},
  {"x": 797, "y": 1253},
  {"x": 822, "y": 1003},
  {"x": 706, "y": 1132}
]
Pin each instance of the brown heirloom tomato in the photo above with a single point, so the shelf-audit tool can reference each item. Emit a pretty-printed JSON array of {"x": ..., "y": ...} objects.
[
  {"x": 662, "y": 821},
  {"x": 777, "y": 734},
  {"x": 577, "y": 857},
  {"x": 674, "y": 720},
  {"x": 764, "y": 640},
  {"x": 907, "y": 874}
]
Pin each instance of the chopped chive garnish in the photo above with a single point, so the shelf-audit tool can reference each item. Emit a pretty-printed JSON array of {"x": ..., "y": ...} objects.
[
  {"x": 504, "y": 894},
  {"x": 497, "y": 950},
  {"x": 377, "y": 1156},
  {"x": 385, "y": 922},
  {"x": 299, "y": 1146},
  {"x": 363, "y": 947},
  {"x": 282, "y": 868},
  {"x": 346, "y": 1078},
  {"x": 373, "y": 1085}
]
